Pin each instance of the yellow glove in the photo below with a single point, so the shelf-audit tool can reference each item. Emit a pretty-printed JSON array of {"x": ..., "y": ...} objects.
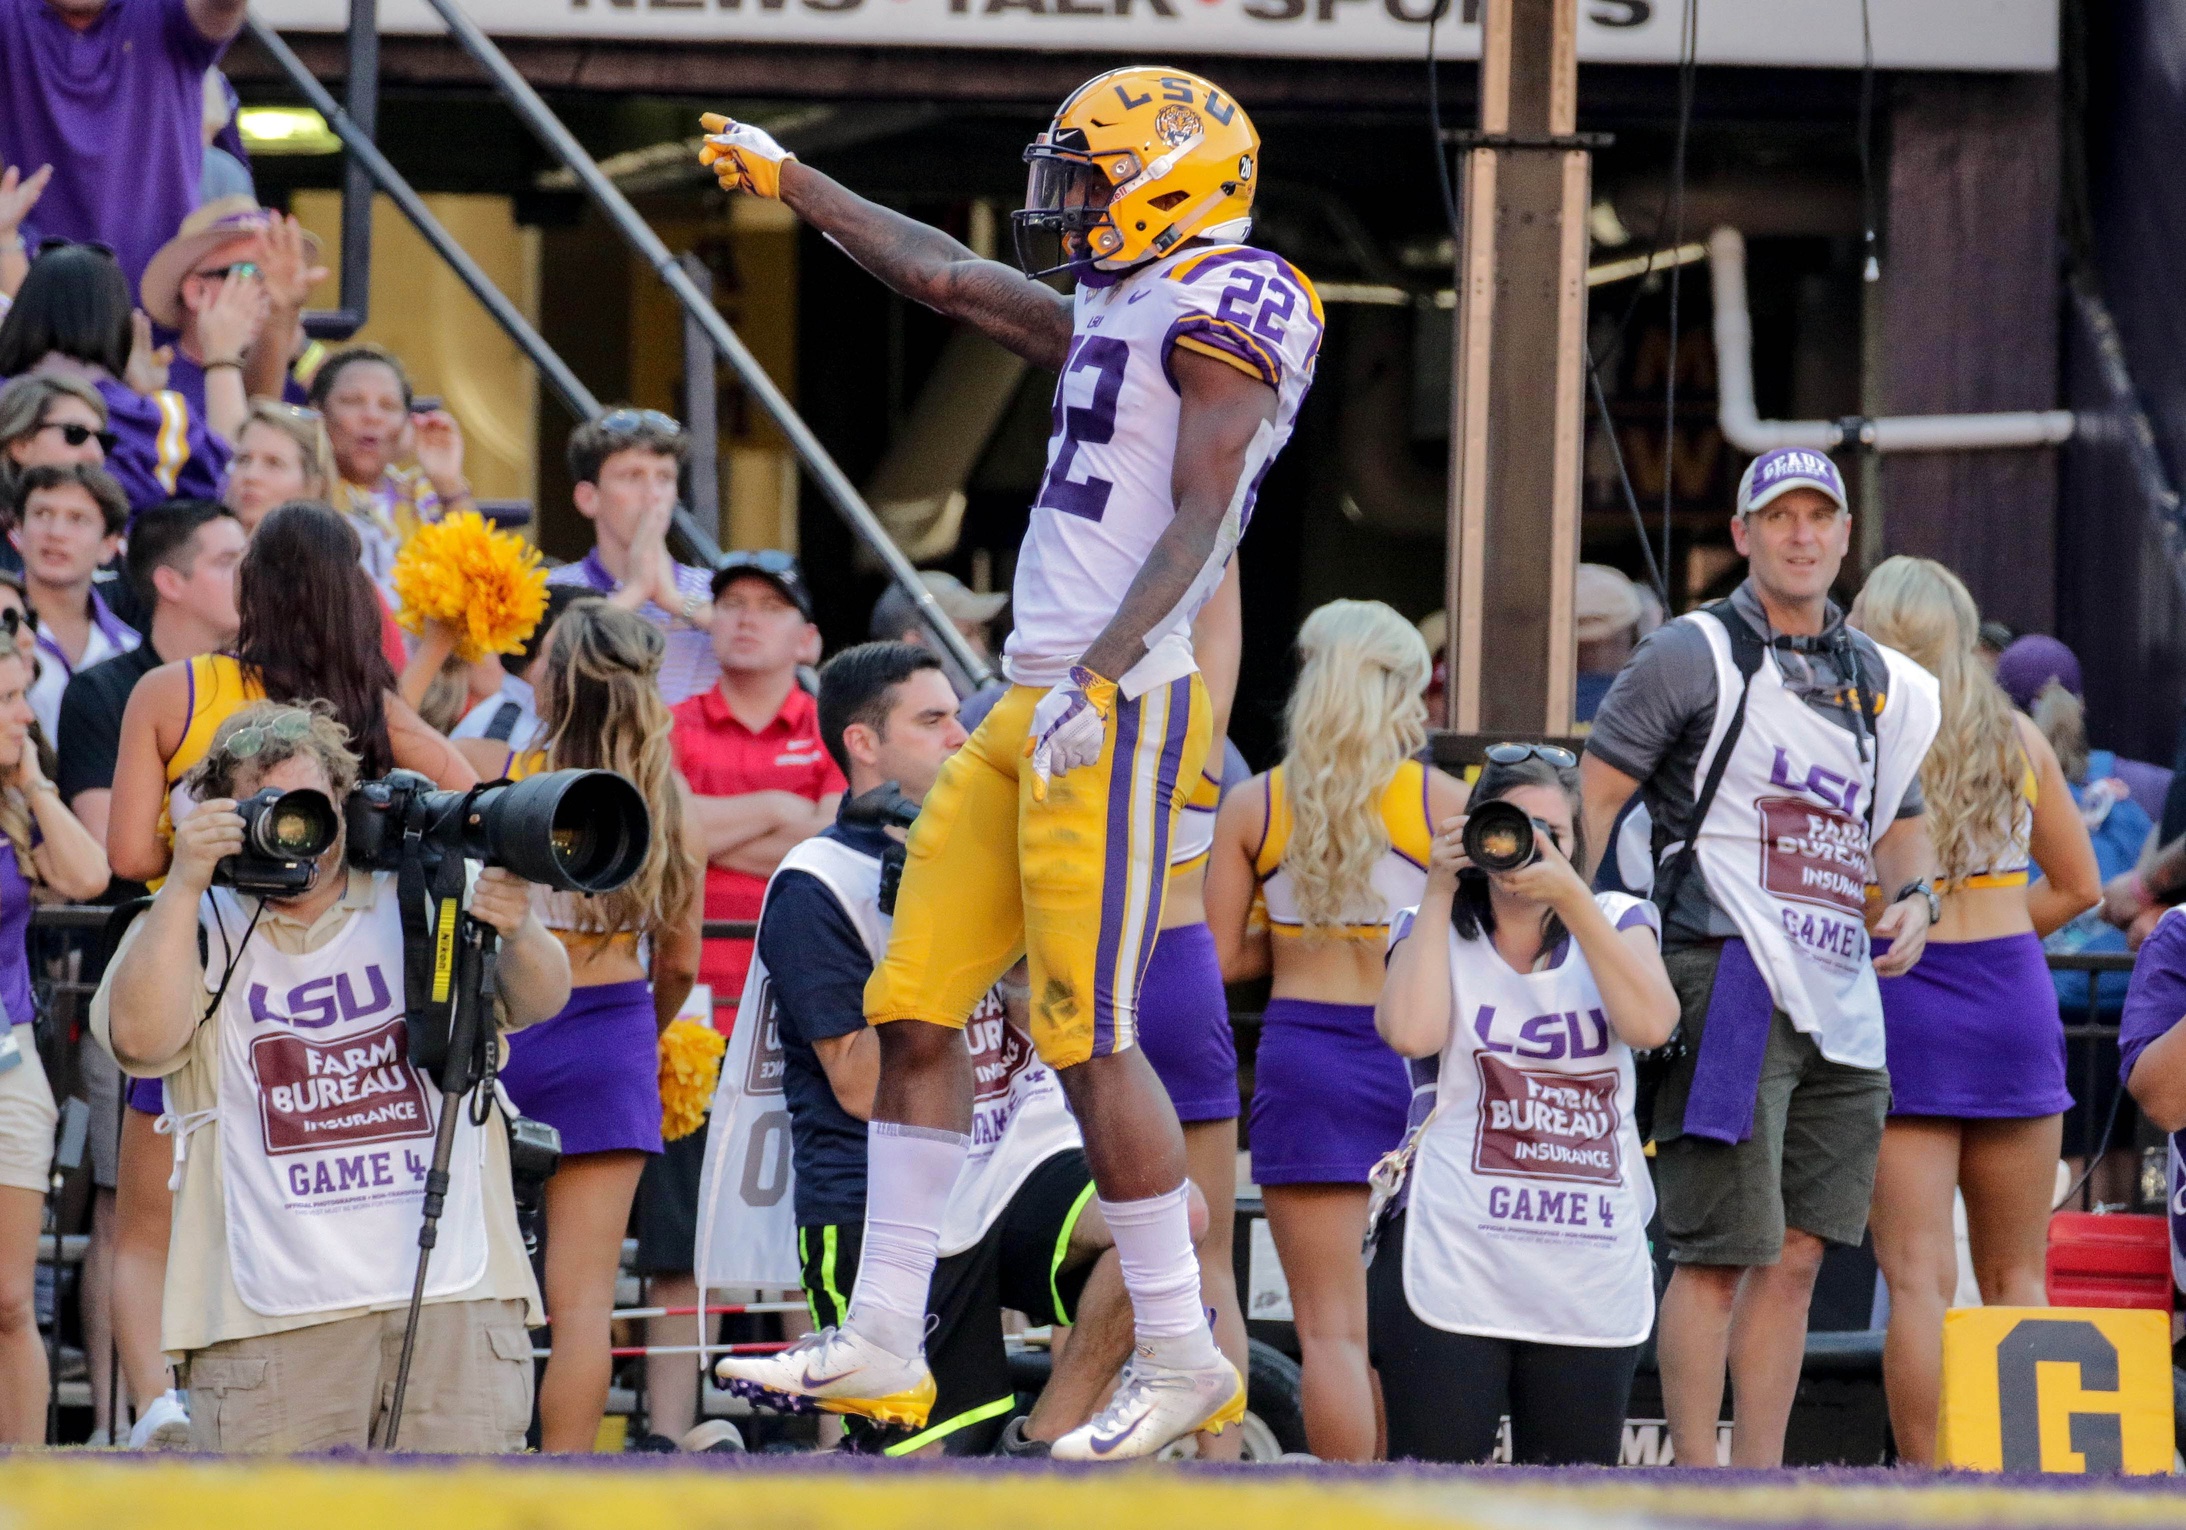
[{"x": 742, "y": 157}]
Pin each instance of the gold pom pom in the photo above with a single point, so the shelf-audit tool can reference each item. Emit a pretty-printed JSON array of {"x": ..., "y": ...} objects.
[
  {"x": 485, "y": 583},
  {"x": 690, "y": 1066}
]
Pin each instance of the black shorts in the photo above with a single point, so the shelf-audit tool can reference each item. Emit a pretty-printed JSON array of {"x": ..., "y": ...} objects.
[
  {"x": 667, "y": 1207},
  {"x": 1018, "y": 1264}
]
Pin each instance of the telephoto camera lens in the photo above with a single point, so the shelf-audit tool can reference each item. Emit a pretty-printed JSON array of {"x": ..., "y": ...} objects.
[
  {"x": 581, "y": 831},
  {"x": 1499, "y": 836}
]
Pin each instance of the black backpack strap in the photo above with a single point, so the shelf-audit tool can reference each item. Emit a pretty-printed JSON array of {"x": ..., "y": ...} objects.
[
  {"x": 1746, "y": 649},
  {"x": 503, "y": 726}
]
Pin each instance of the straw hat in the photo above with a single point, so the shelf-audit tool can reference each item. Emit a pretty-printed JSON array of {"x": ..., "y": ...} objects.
[{"x": 227, "y": 220}]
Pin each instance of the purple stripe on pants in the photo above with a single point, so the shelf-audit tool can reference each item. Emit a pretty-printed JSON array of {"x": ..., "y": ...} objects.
[
  {"x": 1115, "y": 871},
  {"x": 1165, "y": 785}
]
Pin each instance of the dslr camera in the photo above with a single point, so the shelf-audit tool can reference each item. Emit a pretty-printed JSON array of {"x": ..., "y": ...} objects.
[
  {"x": 1499, "y": 836},
  {"x": 885, "y": 807},
  {"x": 583, "y": 831}
]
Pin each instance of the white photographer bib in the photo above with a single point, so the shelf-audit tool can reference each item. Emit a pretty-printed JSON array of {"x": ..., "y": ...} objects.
[
  {"x": 1529, "y": 1194},
  {"x": 1786, "y": 846},
  {"x": 327, "y": 1130},
  {"x": 747, "y": 1211}
]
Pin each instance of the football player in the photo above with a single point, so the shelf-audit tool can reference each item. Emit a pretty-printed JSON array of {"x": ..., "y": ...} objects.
[{"x": 1184, "y": 355}]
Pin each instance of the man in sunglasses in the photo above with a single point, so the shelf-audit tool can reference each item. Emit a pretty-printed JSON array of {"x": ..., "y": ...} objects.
[
  {"x": 624, "y": 466},
  {"x": 1778, "y": 753}
]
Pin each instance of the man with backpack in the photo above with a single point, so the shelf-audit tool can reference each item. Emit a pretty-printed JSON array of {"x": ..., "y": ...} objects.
[{"x": 1778, "y": 754}]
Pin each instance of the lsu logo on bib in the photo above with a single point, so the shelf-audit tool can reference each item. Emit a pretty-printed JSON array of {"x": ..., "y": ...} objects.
[{"x": 2079, "y": 1390}]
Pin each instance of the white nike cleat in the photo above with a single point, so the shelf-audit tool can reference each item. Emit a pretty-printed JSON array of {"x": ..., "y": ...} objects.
[
  {"x": 835, "y": 1371},
  {"x": 1154, "y": 1405}
]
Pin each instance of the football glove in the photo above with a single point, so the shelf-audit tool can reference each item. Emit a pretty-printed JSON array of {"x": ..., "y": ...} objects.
[
  {"x": 742, "y": 157},
  {"x": 1068, "y": 726}
]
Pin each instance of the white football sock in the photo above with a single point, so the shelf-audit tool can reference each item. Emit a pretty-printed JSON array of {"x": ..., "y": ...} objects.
[
  {"x": 909, "y": 1172},
  {"x": 1154, "y": 1246}
]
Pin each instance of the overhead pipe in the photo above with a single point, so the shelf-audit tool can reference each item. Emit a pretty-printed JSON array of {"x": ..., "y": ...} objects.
[
  {"x": 548, "y": 128},
  {"x": 1744, "y": 428}
]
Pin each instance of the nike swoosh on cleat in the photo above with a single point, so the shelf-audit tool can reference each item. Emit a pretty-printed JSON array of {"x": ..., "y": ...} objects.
[
  {"x": 1102, "y": 1447},
  {"x": 809, "y": 1380}
]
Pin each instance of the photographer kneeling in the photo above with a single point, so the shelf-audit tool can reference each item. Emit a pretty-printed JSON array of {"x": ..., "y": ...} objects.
[{"x": 303, "y": 1134}]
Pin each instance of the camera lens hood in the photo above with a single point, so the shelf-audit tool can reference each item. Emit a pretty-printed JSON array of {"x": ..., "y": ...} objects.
[{"x": 1499, "y": 836}]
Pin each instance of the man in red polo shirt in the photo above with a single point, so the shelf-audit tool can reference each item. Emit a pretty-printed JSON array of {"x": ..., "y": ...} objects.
[{"x": 750, "y": 749}]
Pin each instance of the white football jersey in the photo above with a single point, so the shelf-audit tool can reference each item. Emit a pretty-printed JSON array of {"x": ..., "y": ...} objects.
[{"x": 1106, "y": 497}]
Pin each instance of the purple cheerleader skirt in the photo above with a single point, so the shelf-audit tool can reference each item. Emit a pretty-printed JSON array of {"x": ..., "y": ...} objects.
[
  {"x": 1973, "y": 1031},
  {"x": 1328, "y": 1096},
  {"x": 1184, "y": 1025},
  {"x": 593, "y": 1071}
]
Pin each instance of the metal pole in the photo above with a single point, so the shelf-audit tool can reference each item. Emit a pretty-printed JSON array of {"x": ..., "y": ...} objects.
[
  {"x": 362, "y": 88},
  {"x": 701, "y": 422},
  {"x": 575, "y": 396},
  {"x": 517, "y": 91}
]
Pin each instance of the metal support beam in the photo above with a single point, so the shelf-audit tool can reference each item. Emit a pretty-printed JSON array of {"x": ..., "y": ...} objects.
[
  {"x": 361, "y": 84},
  {"x": 1517, "y": 373},
  {"x": 537, "y": 116},
  {"x": 701, "y": 408},
  {"x": 575, "y": 396}
]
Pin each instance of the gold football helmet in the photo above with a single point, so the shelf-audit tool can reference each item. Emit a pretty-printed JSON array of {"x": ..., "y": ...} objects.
[{"x": 1137, "y": 161}]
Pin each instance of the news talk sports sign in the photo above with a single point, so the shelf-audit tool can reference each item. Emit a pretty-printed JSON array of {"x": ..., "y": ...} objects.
[{"x": 1909, "y": 34}]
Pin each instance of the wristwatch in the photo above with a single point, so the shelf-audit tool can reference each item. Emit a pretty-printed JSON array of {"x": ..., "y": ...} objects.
[{"x": 1928, "y": 892}]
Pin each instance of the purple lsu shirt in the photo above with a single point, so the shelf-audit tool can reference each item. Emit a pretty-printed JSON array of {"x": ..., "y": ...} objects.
[
  {"x": 116, "y": 110},
  {"x": 2156, "y": 1001}
]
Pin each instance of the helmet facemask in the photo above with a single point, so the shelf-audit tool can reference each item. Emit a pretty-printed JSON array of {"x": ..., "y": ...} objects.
[{"x": 1064, "y": 226}]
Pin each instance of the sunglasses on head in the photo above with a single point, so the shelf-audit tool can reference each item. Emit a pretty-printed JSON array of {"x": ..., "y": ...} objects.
[
  {"x": 1512, "y": 754},
  {"x": 48, "y": 246},
  {"x": 14, "y": 619},
  {"x": 287, "y": 728},
  {"x": 765, "y": 560},
  {"x": 76, "y": 435},
  {"x": 624, "y": 422}
]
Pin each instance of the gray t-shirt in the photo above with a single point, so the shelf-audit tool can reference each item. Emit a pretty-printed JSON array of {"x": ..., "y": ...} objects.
[{"x": 1656, "y": 719}]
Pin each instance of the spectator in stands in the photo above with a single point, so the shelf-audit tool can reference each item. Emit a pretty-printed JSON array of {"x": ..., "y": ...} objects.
[
  {"x": 111, "y": 95},
  {"x": 750, "y": 747},
  {"x": 281, "y": 453},
  {"x": 2034, "y": 661},
  {"x": 207, "y": 285},
  {"x": 285, "y": 1295},
  {"x": 1995, "y": 638},
  {"x": 2152, "y": 1040},
  {"x": 182, "y": 559},
  {"x": 2122, "y": 834},
  {"x": 1607, "y": 612},
  {"x": 309, "y": 632},
  {"x": 18, "y": 621},
  {"x": 19, "y": 193},
  {"x": 1766, "y": 1131},
  {"x": 501, "y": 727},
  {"x": 285, "y": 359},
  {"x": 68, "y": 524},
  {"x": 227, "y": 170},
  {"x": 1975, "y": 1044},
  {"x": 46, "y": 420},
  {"x": 72, "y": 319},
  {"x": 592, "y": 1071},
  {"x": 896, "y": 619},
  {"x": 762, "y": 781},
  {"x": 364, "y": 395},
  {"x": 1514, "y": 1282},
  {"x": 624, "y": 465},
  {"x": 41, "y": 846},
  {"x": 1335, "y": 841}
]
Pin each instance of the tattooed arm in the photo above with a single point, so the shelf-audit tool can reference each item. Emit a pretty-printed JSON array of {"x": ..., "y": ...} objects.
[
  {"x": 1222, "y": 413},
  {"x": 927, "y": 266}
]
